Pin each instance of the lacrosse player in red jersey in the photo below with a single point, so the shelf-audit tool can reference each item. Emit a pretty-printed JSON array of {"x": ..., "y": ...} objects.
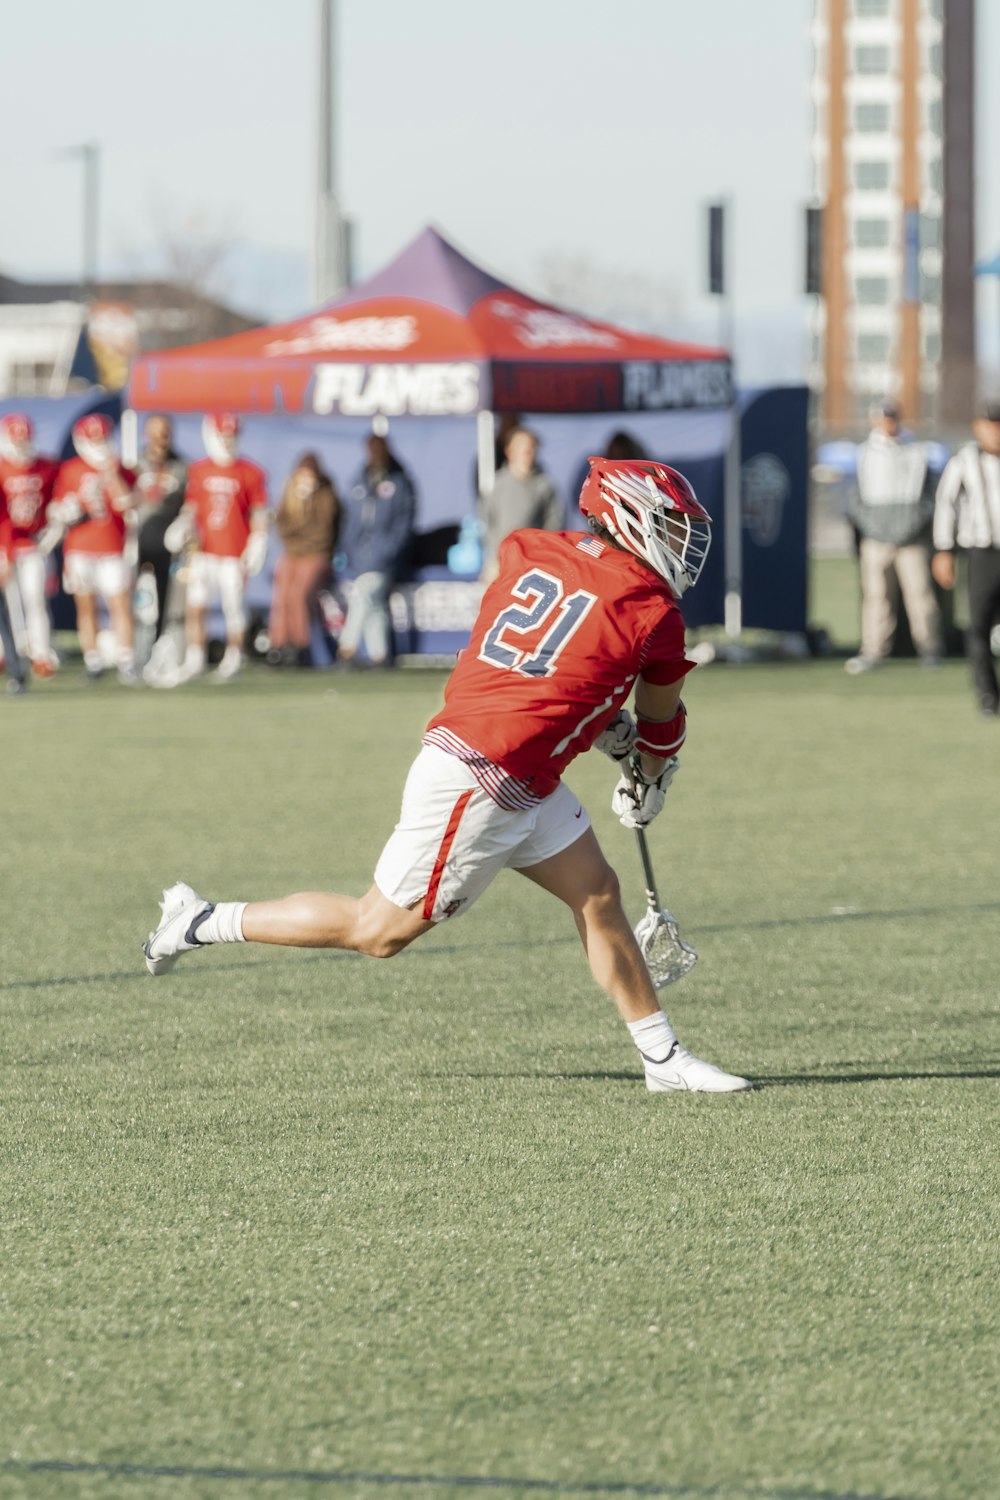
[
  {"x": 91, "y": 499},
  {"x": 26, "y": 480},
  {"x": 225, "y": 510},
  {"x": 571, "y": 624}
]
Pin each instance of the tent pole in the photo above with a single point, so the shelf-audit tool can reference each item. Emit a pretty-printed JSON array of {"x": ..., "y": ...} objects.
[
  {"x": 734, "y": 534},
  {"x": 130, "y": 437},
  {"x": 486, "y": 450}
]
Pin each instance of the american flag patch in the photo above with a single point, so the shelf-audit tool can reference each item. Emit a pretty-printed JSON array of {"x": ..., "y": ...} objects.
[{"x": 592, "y": 545}]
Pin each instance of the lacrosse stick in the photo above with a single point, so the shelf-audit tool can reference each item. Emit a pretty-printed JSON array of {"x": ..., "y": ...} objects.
[{"x": 668, "y": 957}]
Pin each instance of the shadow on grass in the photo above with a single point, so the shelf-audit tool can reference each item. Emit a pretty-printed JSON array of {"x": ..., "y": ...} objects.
[
  {"x": 834, "y": 918},
  {"x": 449, "y": 950},
  {"x": 567, "y": 1487},
  {"x": 795, "y": 1080},
  {"x": 760, "y": 1081}
]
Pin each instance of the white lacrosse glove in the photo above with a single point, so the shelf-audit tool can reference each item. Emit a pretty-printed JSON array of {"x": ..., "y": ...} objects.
[
  {"x": 177, "y": 533},
  {"x": 638, "y": 798},
  {"x": 64, "y": 513},
  {"x": 618, "y": 739},
  {"x": 255, "y": 553}
]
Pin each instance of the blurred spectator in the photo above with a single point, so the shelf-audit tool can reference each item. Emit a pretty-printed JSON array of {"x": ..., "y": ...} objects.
[
  {"x": 92, "y": 496},
  {"x": 522, "y": 495},
  {"x": 308, "y": 523},
  {"x": 10, "y": 661},
  {"x": 162, "y": 476},
  {"x": 375, "y": 543},
  {"x": 967, "y": 516},
  {"x": 620, "y": 445},
  {"x": 225, "y": 513},
  {"x": 26, "y": 481},
  {"x": 893, "y": 511}
]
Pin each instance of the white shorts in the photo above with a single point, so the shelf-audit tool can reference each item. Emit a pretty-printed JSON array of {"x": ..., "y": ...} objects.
[
  {"x": 452, "y": 839},
  {"x": 95, "y": 573},
  {"x": 210, "y": 578}
]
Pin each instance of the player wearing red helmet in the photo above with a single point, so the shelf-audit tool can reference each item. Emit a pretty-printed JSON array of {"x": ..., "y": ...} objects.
[
  {"x": 225, "y": 515},
  {"x": 92, "y": 497},
  {"x": 571, "y": 625},
  {"x": 26, "y": 480}
]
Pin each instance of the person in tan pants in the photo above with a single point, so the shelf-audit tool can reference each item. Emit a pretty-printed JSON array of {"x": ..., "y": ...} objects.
[
  {"x": 893, "y": 511},
  {"x": 308, "y": 523}
]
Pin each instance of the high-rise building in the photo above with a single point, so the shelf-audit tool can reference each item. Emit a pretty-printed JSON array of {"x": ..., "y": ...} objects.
[{"x": 892, "y": 95}]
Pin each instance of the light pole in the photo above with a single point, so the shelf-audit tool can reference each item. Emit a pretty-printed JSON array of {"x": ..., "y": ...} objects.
[
  {"x": 90, "y": 154},
  {"x": 328, "y": 261}
]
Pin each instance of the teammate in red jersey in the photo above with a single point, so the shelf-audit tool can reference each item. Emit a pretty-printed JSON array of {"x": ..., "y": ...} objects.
[
  {"x": 93, "y": 494},
  {"x": 225, "y": 512},
  {"x": 26, "y": 480},
  {"x": 572, "y": 623}
]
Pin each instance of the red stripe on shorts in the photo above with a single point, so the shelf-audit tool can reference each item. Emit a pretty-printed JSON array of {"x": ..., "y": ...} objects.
[{"x": 443, "y": 852}]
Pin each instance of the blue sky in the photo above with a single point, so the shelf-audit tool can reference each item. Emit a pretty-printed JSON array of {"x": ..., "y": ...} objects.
[{"x": 581, "y": 140}]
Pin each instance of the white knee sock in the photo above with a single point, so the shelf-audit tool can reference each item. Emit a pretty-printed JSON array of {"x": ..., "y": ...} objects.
[
  {"x": 653, "y": 1036},
  {"x": 223, "y": 924}
]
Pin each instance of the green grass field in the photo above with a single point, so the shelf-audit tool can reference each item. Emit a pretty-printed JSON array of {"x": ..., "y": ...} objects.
[{"x": 295, "y": 1223}]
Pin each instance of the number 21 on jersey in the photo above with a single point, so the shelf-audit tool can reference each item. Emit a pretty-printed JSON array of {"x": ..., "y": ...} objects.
[{"x": 542, "y": 603}]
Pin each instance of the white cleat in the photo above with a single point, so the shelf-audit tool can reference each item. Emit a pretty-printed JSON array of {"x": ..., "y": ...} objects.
[
  {"x": 681, "y": 1070},
  {"x": 180, "y": 906},
  {"x": 230, "y": 666}
]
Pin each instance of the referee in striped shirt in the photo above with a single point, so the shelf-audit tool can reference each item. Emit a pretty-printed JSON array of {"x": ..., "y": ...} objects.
[{"x": 967, "y": 516}]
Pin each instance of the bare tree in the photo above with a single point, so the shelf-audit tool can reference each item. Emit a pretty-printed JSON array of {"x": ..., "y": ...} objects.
[
  {"x": 183, "y": 301},
  {"x": 582, "y": 285}
]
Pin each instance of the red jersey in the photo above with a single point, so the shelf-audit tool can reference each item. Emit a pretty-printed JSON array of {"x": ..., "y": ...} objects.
[
  {"x": 562, "y": 634},
  {"x": 25, "y": 491},
  {"x": 223, "y": 496},
  {"x": 102, "y": 530}
]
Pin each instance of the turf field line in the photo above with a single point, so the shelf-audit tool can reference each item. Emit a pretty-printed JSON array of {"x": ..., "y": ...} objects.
[
  {"x": 454, "y": 1481},
  {"x": 442, "y": 950},
  {"x": 834, "y": 917}
]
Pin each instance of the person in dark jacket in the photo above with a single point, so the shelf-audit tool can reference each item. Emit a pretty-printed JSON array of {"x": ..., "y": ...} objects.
[
  {"x": 375, "y": 542},
  {"x": 162, "y": 475}
]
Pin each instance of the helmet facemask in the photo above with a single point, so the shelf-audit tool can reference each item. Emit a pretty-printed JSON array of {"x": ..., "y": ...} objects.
[
  {"x": 672, "y": 533},
  {"x": 92, "y": 440},
  {"x": 221, "y": 436}
]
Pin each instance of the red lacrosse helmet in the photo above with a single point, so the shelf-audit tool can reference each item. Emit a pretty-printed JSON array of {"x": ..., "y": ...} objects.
[
  {"x": 17, "y": 438},
  {"x": 220, "y": 433},
  {"x": 652, "y": 512},
  {"x": 92, "y": 439}
]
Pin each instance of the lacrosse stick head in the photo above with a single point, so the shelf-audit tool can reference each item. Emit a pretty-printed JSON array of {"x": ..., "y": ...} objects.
[{"x": 668, "y": 957}]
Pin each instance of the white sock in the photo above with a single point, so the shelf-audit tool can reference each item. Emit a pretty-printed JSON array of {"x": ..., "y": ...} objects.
[
  {"x": 223, "y": 924},
  {"x": 92, "y": 660},
  {"x": 194, "y": 658},
  {"x": 653, "y": 1036}
]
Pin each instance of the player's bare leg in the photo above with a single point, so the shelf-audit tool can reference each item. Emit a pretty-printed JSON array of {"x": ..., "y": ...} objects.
[
  {"x": 86, "y": 621},
  {"x": 581, "y": 877},
  {"x": 86, "y": 629},
  {"x": 372, "y": 925},
  {"x": 194, "y": 648},
  {"x": 120, "y": 611}
]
